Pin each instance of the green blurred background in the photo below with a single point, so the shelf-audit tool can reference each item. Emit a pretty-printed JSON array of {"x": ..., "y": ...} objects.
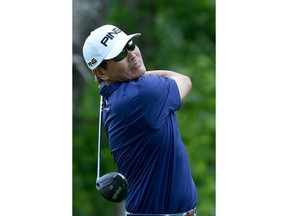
[{"x": 176, "y": 35}]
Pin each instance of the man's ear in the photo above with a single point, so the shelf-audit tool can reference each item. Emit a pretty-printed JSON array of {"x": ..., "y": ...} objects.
[
  {"x": 99, "y": 75},
  {"x": 96, "y": 72}
]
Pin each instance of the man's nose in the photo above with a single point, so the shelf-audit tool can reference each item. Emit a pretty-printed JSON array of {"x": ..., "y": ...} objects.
[{"x": 131, "y": 55}]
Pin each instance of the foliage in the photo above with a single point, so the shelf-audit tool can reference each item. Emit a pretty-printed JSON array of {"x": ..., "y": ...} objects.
[{"x": 176, "y": 35}]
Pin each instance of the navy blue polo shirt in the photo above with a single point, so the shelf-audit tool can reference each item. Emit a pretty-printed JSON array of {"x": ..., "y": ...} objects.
[{"x": 140, "y": 122}]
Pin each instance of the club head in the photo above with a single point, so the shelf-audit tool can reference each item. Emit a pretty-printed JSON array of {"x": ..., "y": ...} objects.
[{"x": 113, "y": 186}]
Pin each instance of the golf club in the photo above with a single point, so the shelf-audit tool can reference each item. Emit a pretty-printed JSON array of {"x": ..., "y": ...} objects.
[{"x": 112, "y": 186}]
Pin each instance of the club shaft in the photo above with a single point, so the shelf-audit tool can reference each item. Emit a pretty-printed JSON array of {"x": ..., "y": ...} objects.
[{"x": 99, "y": 136}]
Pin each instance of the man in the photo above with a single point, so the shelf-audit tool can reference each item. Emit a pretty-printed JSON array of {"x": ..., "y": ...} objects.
[{"x": 139, "y": 119}]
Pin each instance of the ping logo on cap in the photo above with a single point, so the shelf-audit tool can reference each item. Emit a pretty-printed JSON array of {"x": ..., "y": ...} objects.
[
  {"x": 110, "y": 35},
  {"x": 92, "y": 62}
]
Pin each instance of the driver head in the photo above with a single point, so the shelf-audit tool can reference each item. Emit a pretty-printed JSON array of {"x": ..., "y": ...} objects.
[{"x": 113, "y": 186}]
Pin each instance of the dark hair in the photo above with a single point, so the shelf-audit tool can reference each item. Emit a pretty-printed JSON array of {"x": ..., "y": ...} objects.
[{"x": 103, "y": 64}]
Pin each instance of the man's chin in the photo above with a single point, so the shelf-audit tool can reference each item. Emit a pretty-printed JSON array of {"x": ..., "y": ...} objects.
[{"x": 140, "y": 73}]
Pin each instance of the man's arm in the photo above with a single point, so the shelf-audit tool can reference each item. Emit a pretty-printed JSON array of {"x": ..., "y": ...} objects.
[{"x": 183, "y": 82}]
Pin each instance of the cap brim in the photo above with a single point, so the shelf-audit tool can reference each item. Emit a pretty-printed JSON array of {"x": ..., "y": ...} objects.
[{"x": 120, "y": 46}]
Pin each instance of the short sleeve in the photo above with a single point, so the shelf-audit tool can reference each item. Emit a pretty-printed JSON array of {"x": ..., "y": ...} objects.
[{"x": 158, "y": 97}]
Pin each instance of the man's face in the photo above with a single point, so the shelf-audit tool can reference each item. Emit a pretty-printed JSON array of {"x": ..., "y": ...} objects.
[{"x": 129, "y": 68}]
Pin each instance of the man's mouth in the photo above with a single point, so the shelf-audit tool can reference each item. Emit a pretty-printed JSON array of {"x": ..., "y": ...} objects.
[{"x": 136, "y": 65}]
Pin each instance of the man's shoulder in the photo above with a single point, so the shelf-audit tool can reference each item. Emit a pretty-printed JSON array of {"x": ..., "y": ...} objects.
[{"x": 151, "y": 80}]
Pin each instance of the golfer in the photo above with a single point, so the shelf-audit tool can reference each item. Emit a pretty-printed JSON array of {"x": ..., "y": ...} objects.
[{"x": 139, "y": 119}]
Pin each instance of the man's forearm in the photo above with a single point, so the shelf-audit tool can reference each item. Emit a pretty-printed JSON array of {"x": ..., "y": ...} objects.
[{"x": 164, "y": 73}]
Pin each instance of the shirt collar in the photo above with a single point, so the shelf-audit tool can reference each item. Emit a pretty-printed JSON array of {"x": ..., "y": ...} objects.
[{"x": 106, "y": 91}]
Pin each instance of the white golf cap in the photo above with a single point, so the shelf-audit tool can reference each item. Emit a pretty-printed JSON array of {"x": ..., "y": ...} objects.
[{"x": 104, "y": 43}]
